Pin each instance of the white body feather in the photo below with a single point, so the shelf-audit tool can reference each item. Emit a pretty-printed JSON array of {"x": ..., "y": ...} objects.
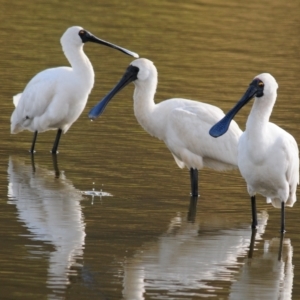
[{"x": 183, "y": 125}]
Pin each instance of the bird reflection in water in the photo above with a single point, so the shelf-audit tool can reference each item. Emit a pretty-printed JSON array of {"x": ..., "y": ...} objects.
[
  {"x": 191, "y": 216},
  {"x": 51, "y": 211},
  {"x": 270, "y": 271},
  {"x": 55, "y": 164},
  {"x": 195, "y": 258}
]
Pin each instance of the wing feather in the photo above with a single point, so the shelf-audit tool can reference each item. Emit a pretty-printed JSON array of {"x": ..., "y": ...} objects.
[
  {"x": 189, "y": 135},
  {"x": 292, "y": 173},
  {"x": 36, "y": 98}
]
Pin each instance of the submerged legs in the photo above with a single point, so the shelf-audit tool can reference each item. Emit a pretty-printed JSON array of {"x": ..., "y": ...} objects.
[
  {"x": 55, "y": 165},
  {"x": 191, "y": 216},
  {"x": 254, "y": 214},
  {"x": 280, "y": 246},
  {"x": 56, "y": 142},
  {"x": 32, "y": 163},
  {"x": 194, "y": 182},
  {"x": 252, "y": 242},
  {"x": 33, "y": 142}
]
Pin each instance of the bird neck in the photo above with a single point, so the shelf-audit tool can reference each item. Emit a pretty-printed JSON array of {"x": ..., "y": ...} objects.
[
  {"x": 144, "y": 107},
  {"x": 260, "y": 115},
  {"x": 79, "y": 62}
]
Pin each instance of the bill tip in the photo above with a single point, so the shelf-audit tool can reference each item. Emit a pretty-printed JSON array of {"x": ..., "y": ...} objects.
[
  {"x": 213, "y": 134},
  {"x": 92, "y": 117},
  {"x": 217, "y": 130}
]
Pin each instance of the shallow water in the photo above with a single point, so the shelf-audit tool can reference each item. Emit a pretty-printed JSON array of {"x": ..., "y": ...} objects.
[{"x": 112, "y": 217}]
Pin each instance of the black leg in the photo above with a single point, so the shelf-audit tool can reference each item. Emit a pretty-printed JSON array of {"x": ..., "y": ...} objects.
[
  {"x": 33, "y": 142},
  {"x": 56, "y": 142},
  {"x": 282, "y": 230},
  {"x": 194, "y": 182},
  {"x": 254, "y": 215},
  {"x": 55, "y": 165},
  {"x": 192, "y": 209}
]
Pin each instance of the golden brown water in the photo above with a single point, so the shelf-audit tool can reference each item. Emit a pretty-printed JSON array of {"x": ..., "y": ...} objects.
[{"x": 145, "y": 241}]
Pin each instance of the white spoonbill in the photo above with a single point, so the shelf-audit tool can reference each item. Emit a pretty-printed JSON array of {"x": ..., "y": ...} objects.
[
  {"x": 268, "y": 156},
  {"x": 55, "y": 98},
  {"x": 182, "y": 124}
]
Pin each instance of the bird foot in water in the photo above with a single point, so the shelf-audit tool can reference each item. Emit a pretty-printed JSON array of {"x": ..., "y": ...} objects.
[{"x": 196, "y": 195}]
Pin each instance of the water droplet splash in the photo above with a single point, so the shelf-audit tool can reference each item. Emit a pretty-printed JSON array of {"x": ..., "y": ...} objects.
[{"x": 95, "y": 193}]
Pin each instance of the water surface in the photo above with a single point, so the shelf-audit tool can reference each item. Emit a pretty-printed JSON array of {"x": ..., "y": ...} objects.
[{"x": 148, "y": 239}]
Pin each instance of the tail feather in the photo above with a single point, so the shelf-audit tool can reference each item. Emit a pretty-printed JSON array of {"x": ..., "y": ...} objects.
[
  {"x": 16, "y": 99},
  {"x": 277, "y": 202},
  {"x": 15, "y": 126}
]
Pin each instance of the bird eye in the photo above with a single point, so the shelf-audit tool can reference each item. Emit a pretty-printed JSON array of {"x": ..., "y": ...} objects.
[
  {"x": 261, "y": 83},
  {"x": 81, "y": 32}
]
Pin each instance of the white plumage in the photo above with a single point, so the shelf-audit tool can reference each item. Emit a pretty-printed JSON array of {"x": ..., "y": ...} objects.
[
  {"x": 182, "y": 124},
  {"x": 55, "y": 98},
  {"x": 268, "y": 156}
]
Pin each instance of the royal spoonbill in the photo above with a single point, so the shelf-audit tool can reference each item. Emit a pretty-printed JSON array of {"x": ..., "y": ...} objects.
[
  {"x": 268, "y": 156},
  {"x": 182, "y": 124},
  {"x": 55, "y": 98}
]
